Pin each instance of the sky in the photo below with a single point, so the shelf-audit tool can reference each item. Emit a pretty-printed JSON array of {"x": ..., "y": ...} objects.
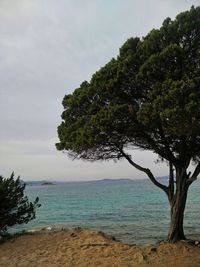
[{"x": 47, "y": 49}]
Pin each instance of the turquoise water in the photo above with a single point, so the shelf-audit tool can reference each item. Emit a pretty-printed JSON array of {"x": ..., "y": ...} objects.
[{"x": 133, "y": 211}]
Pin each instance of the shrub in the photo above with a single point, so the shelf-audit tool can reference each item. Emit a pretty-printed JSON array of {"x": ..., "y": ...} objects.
[{"x": 15, "y": 207}]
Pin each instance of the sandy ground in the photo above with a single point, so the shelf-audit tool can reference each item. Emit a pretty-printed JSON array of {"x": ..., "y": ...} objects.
[{"x": 85, "y": 248}]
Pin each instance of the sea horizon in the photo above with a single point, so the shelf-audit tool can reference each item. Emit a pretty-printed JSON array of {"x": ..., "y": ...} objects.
[{"x": 164, "y": 177}]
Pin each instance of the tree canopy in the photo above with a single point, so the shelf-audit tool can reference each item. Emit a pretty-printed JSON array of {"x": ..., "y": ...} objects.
[{"x": 147, "y": 98}]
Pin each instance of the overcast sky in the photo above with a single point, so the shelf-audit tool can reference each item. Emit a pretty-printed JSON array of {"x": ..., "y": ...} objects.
[{"x": 47, "y": 48}]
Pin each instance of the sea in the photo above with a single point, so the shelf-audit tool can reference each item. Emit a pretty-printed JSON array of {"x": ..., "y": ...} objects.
[{"x": 133, "y": 211}]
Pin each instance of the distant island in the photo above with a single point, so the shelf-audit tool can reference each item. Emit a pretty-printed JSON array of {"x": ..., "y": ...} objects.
[
  {"x": 106, "y": 180},
  {"x": 47, "y": 183},
  {"x": 38, "y": 183}
]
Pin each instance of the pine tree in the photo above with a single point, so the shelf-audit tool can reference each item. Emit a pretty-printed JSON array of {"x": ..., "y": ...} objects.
[{"x": 15, "y": 207}]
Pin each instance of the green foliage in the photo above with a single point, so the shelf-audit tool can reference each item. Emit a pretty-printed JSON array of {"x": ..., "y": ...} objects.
[
  {"x": 14, "y": 205},
  {"x": 147, "y": 98}
]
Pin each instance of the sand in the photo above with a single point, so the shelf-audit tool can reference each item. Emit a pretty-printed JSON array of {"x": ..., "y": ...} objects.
[{"x": 86, "y": 248}]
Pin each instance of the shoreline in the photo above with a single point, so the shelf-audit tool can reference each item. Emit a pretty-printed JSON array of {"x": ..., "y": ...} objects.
[
  {"x": 117, "y": 236},
  {"x": 87, "y": 248}
]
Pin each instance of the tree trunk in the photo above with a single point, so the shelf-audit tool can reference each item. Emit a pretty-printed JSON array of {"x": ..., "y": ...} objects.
[{"x": 177, "y": 203}]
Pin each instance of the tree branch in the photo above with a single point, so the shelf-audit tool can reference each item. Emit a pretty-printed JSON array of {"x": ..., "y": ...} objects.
[
  {"x": 145, "y": 170},
  {"x": 168, "y": 156},
  {"x": 171, "y": 182},
  {"x": 166, "y": 144},
  {"x": 194, "y": 175}
]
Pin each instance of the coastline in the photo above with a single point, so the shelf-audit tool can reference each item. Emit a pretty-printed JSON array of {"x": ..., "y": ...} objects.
[
  {"x": 130, "y": 211},
  {"x": 86, "y": 248}
]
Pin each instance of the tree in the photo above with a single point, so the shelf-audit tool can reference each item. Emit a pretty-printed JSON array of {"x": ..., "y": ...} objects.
[
  {"x": 147, "y": 98},
  {"x": 14, "y": 205}
]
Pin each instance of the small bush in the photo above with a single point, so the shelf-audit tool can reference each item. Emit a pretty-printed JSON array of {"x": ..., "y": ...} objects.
[{"x": 15, "y": 207}]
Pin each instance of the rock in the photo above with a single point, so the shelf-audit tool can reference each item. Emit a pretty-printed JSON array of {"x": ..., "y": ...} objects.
[
  {"x": 47, "y": 228},
  {"x": 110, "y": 237},
  {"x": 73, "y": 235},
  {"x": 31, "y": 230},
  {"x": 78, "y": 229},
  {"x": 153, "y": 249},
  {"x": 138, "y": 257},
  {"x": 196, "y": 243}
]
